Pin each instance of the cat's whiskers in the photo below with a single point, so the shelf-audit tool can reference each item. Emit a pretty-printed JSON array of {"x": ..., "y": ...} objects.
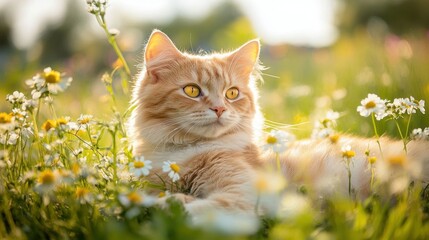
[
  {"x": 280, "y": 126},
  {"x": 160, "y": 122}
]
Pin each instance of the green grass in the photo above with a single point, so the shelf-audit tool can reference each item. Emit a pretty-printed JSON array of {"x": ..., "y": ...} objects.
[{"x": 82, "y": 200}]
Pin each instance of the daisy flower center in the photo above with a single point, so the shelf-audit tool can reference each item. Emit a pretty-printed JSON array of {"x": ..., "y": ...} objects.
[
  {"x": 175, "y": 167},
  {"x": 334, "y": 138},
  {"x": 62, "y": 121},
  {"x": 370, "y": 104},
  {"x": 81, "y": 192},
  {"x": 5, "y": 118},
  {"x": 84, "y": 120},
  {"x": 48, "y": 125},
  {"x": 75, "y": 168},
  {"x": 52, "y": 77},
  {"x": 372, "y": 160},
  {"x": 348, "y": 154},
  {"x": 397, "y": 160},
  {"x": 47, "y": 177},
  {"x": 138, "y": 164},
  {"x": 271, "y": 139},
  {"x": 161, "y": 194},
  {"x": 261, "y": 184},
  {"x": 134, "y": 197}
]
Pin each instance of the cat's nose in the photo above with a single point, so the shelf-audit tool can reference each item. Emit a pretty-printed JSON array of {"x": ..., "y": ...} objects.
[{"x": 218, "y": 110}]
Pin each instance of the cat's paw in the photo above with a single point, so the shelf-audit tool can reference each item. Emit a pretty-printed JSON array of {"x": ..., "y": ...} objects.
[{"x": 180, "y": 197}]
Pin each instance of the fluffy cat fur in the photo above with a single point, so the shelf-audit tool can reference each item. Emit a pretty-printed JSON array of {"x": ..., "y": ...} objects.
[{"x": 218, "y": 154}]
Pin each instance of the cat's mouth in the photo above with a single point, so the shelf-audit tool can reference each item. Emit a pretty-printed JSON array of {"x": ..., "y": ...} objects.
[{"x": 216, "y": 122}]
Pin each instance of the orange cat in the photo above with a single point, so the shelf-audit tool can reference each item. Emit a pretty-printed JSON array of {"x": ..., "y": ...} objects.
[{"x": 202, "y": 113}]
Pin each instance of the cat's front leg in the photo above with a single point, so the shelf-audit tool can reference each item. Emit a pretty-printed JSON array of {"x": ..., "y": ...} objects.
[{"x": 231, "y": 202}]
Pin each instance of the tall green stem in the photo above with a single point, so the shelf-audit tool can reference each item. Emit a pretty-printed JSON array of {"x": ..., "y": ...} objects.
[
  {"x": 114, "y": 152},
  {"x": 404, "y": 139},
  {"x": 376, "y": 134},
  {"x": 408, "y": 128},
  {"x": 349, "y": 174},
  {"x": 372, "y": 178},
  {"x": 112, "y": 41},
  {"x": 36, "y": 135}
]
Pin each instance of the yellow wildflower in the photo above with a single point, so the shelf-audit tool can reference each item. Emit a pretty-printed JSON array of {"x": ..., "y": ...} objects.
[
  {"x": 5, "y": 118},
  {"x": 271, "y": 139},
  {"x": 49, "y": 124},
  {"x": 52, "y": 76},
  {"x": 347, "y": 151},
  {"x": 397, "y": 160},
  {"x": 81, "y": 192},
  {"x": 334, "y": 138},
  {"x": 62, "y": 121},
  {"x": 134, "y": 197},
  {"x": 372, "y": 160},
  {"x": 46, "y": 177},
  {"x": 117, "y": 64}
]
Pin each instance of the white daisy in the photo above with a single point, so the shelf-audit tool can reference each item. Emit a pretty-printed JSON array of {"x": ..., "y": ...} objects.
[
  {"x": 36, "y": 82},
  {"x": 277, "y": 140},
  {"x": 331, "y": 118},
  {"x": 173, "y": 170},
  {"x": 426, "y": 131},
  {"x": 373, "y": 104},
  {"x": 29, "y": 105},
  {"x": 46, "y": 181},
  {"x": 421, "y": 106},
  {"x": 136, "y": 199},
  {"x": 16, "y": 97},
  {"x": 10, "y": 138},
  {"x": 292, "y": 205},
  {"x": 85, "y": 120},
  {"x": 347, "y": 151},
  {"x": 405, "y": 105},
  {"x": 140, "y": 167},
  {"x": 415, "y": 104},
  {"x": 55, "y": 81},
  {"x": 227, "y": 222},
  {"x": 7, "y": 122},
  {"x": 83, "y": 195},
  {"x": 419, "y": 134}
]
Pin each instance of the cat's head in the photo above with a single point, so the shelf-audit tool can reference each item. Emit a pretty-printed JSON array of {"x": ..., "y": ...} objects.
[{"x": 181, "y": 98}]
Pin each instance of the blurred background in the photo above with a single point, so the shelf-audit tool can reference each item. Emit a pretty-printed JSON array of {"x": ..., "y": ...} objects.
[{"x": 320, "y": 54}]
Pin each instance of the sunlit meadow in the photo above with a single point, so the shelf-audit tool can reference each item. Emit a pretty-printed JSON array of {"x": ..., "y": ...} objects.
[{"x": 71, "y": 175}]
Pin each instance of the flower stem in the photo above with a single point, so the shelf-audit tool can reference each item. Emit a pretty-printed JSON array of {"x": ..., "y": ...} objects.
[
  {"x": 372, "y": 178},
  {"x": 114, "y": 153},
  {"x": 258, "y": 199},
  {"x": 376, "y": 134},
  {"x": 404, "y": 139},
  {"x": 112, "y": 41},
  {"x": 408, "y": 128},
  {"x": 51, "y": 106},
  {"x": 349, "y": 174},
  {"x": 36, "y": 134},
  {"x": 278, "y": 162}
]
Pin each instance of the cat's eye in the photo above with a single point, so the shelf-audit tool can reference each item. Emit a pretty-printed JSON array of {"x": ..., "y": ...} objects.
[
  {"x": 232, "y": 93},
  {"x": 192, "y": 91}
]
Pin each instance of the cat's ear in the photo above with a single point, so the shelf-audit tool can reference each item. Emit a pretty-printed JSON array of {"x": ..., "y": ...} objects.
[
  {"x": 244, "y": 59},
  {"x": 159, "y": 53}
]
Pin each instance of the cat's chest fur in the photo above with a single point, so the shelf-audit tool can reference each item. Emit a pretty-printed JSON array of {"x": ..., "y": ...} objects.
[{"x": 181, "y": 153}]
